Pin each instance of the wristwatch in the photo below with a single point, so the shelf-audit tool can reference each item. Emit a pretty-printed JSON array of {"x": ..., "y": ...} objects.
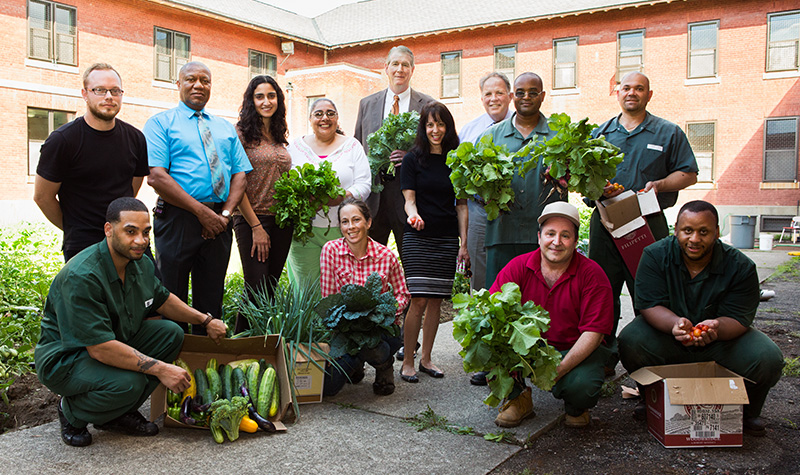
[{"x": 225, "y": 213}]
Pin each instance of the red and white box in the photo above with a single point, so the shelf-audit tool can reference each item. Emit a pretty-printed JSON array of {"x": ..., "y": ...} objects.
[{"x": 623, "y": 217}]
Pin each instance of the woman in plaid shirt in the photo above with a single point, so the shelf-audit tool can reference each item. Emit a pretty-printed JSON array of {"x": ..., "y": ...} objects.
[{"x": 350, "y": 260}]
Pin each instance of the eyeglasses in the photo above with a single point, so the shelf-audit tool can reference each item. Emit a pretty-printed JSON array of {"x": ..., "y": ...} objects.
[
  {"x": 101, "y": 91},
  {"x": 328, "y": 114},
  {"x": 532, "y": 94}
]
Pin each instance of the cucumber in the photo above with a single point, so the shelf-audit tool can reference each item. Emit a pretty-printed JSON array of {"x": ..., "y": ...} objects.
[
  {"x": 227, "y": 385},
  {"x": 262, "y": 365},
  {"x": 208, "y": 396},
  {"x": 202, "y": 384},
  {"x": 252, "y": 381},
  {"x": 238, "y": 380},
  {"x": 214, "y": 382},
  {"x": 212, "y": 363},
  {"x": 276, "y": 399},
  {"x": 265, "y": 389}
]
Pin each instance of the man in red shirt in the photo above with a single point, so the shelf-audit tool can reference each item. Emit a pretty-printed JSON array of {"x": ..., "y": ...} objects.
[{"x": 577, "y": 294}]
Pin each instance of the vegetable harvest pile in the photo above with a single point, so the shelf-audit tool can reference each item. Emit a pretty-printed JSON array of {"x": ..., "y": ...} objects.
[
  {"x": 397, "y": 132},
  {"x": 500, "y": 335},
  {"x": 240, "y": 395},
  {"x": 300, "y": 193},
  {"x": 359, "y": 316}
]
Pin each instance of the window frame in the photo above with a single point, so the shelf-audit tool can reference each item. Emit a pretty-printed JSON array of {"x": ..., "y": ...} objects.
[
  {"x": 53, "y": 55},
  {"x": 557, "y": 41},
  {"x": 764, "y": 149},
  {"x": 713, "y": 147},
  {"x": 173, "y": 58},
  {"x": 641, "y": 69},
  {"x": 511, "y": 76},
  {"x": 456, "y": 55},
  {"x": 690, "y": 52},
  {"x": 70, "y": 116},
  {"x": 264, "y": 56},
  {"x": 769, "y": 44}
]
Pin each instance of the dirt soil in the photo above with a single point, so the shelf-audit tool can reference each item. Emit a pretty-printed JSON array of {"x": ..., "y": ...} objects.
[{"x": 616, "y": 443}]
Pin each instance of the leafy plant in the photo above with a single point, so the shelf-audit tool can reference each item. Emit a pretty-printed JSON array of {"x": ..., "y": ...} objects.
[
  {"x": 575, "y": 161},
  {"x": 791, "y": 367},
  {"x": 428, "y": 419},
  {"x": 505, "y": 436},
  {"x": 359, "y": 316},
  {"x": 500, "y": 335},
  {"x": 397, "y": 132},
  {"x": 300, "y": 193},
  {"x": 486, "y": 170}
]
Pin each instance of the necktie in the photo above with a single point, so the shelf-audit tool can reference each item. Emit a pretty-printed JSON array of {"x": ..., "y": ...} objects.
[
  {"x": 396, "y": 105},
  {"x": 217, "y": 176}
]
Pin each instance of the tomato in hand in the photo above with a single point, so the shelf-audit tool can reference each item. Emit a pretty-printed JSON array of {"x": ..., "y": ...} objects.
[{"x": 697, "y": 331}]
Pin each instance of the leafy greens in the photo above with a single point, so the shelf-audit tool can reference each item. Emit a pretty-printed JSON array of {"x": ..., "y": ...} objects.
[{"x": 397, "y": 132}]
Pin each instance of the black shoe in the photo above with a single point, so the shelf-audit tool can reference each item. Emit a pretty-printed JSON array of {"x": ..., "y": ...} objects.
[
  {"x": 384, "y": 378},
  {"x": 401, "y": 353},
  {"x": 409, "y": 379},
  {"x": 479, "y": 378},
  {"x": 132, "y": 423},
  {"x": 431, "y": 372},
  {"x": 755, "y": 426},
  {"x": 357, "y": 376},
  {"x": 640, "y": 411},
  {"x": 71, "y": 435}
]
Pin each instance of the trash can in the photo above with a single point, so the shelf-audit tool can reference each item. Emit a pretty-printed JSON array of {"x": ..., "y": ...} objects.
[
  {"x": 743, "y": 231},
  {"x": 765, "y": 241}
]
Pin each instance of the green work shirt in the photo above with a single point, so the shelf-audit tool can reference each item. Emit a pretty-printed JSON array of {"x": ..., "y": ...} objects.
[
  {"x": 88, "y": 304},
  {"x": 518, "y": 225},
  {"x": 652, "y": 150},
  {"x": 727, "y": 287}
]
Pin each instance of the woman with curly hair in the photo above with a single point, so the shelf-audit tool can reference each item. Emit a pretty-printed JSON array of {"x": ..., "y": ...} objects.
[{"x": 263, "y": 246}]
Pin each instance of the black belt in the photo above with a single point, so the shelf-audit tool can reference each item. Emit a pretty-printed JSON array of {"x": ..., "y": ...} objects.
[{"x": 213, "y": 205}]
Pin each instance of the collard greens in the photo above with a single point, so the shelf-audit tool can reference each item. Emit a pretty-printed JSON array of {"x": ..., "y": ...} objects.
[
  {"x": 501, "y": 335},
  {"x": 397, "y": 132}
]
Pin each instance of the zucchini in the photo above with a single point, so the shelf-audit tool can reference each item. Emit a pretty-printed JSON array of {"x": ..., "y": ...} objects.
[
  {"x": 265, "y": 389},
  {"x": 202, "y": 384},
  {"x": 227, "y": 388},
  {"x": 214, "y": 382},
  {"x": 238, "y": 380},
  {"x": 242, "y": 363},
  {"x": 276, "y": 399},
  {"x": 252, "y": 381},
  {"x": 212, "y": 363}
]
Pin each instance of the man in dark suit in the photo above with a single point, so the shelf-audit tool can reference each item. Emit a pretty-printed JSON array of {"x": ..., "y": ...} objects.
[{"x": 387, "y": 206}]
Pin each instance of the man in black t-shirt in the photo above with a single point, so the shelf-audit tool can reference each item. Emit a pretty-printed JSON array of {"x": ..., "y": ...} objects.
[{"x": 89, "y": 162}]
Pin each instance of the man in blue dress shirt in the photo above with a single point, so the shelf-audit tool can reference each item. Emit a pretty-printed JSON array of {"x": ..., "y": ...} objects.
[{"x": 197, "y": 166}]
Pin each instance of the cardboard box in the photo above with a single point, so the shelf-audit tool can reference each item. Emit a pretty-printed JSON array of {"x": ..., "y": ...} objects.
[
  {"x": 196, "y": 352},
  {"x": 309, "y": 378},
  {"x": 623, "y": 217},
  {"x": 693, "y": 405}
]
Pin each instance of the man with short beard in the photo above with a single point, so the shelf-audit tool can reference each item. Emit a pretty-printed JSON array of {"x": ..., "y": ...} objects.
[
  {"x": 692, "y": 280},
  {"x": 89, "y": 162}
]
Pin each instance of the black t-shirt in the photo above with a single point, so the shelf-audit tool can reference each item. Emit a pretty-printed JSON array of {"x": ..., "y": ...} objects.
[
  {"x": 94, "y": 168},
  {"x": 436, "y": 199}
]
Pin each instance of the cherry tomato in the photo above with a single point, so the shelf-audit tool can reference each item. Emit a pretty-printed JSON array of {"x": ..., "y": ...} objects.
[
  {"x": 413, "y": 220},
  {"x": 703, "y": 328}
]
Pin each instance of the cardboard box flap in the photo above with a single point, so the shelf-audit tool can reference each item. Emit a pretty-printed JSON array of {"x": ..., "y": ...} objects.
[
  {"x": 631, "y": 226},
  {"x": 645, "y": 376},
  {"x": 706, "y": 390},
  {"x": 708, "y": 369},
  {"x": 648, "y": 203},
  {"x": 300, "y": 357}
]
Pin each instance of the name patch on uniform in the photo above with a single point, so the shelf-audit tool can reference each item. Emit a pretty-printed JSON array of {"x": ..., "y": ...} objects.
[
  {"x": 653, "y": 146},
  {"x": 148, "y": 303}
]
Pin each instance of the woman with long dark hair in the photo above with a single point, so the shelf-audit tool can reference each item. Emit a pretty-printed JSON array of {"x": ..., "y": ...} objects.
[
  {"x": 435, "y": 234},
  {"x": 263, "y": 246}
]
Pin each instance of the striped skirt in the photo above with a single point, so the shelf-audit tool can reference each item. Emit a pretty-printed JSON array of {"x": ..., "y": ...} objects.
[{"x": 429, "y": 264}]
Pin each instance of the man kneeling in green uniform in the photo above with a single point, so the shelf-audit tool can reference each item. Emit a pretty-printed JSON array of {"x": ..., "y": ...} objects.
[
  {"x": 693, "y": 280},
  {"x": 98, "y": 350}
]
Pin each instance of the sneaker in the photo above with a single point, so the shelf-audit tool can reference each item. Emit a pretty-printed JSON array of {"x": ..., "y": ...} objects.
[
  {"x": 755, "y": 426},
  {"x": 516, "y": 410},
  {"x": 132, "y": 423},
  {"x": 71, "y": 435},
  {"x": 479, "y": 378},
  {"x": 577, "y": 421}
]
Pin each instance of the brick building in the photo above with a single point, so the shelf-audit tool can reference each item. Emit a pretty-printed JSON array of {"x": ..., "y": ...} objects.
[{"x": 726, "y": 72}]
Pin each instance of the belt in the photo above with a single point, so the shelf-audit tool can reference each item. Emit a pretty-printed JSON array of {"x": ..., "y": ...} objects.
[{"x": 216, "y": 206}]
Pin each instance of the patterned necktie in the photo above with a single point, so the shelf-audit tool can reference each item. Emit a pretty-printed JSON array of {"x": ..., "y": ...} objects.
[
  {"x": 217, "y": 176},
  {"x": 396, "y": 105}
]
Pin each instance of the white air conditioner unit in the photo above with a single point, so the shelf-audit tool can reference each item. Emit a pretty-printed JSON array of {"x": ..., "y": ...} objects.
[{"x": 287, "y": 47}]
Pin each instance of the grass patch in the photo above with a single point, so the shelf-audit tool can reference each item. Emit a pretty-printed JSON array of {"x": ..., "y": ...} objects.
[
  {"x": 787, "y": 270},
  {"x": 791, "y": 367},
  {"x": 429, "y": 420},
  {"x": 609, "y": 388}
]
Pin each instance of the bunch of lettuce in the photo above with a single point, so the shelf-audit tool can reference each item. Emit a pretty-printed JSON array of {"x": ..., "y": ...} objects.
[
  {"x": 397, "y": 132},
  {"x": 300, "y": 193},
  {"x": 498, "y": 334},
  {"x": 359, "y": 316},
  {"x": 574, "y": 160},
  {"x": 486, "y": 170}
]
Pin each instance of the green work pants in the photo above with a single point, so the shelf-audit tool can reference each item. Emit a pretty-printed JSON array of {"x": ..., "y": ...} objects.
[
  {"x": 753, "y": 356},
  {"x": 303, "y": 259},
  {"x": 97, "y": 393},
  {"x": 499, "y": 255}
]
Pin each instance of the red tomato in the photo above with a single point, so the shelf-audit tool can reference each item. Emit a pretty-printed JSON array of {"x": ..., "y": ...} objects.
[
  {"x": 413, "y": 220},
  {"x": 697, "y": 332}
]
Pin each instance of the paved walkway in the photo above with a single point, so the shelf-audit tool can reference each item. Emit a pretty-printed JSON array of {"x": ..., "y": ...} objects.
[{"x": 352, "y": 433}]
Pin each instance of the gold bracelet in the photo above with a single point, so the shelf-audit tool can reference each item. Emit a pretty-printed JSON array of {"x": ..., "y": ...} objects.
[{"x": 207, "y": 320}]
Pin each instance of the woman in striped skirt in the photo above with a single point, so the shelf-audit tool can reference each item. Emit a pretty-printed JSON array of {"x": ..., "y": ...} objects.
[{"x": 435, "y": 234}]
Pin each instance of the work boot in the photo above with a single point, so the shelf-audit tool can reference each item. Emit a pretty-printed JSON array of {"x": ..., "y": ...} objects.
[
  {"x": 71, "y": 435},
  {"x": 516, "y": 410},
  {"x": 357, "y": 375},
  {"x": 478, "y": 378},
  {"x": 384, "y": 378},
  {"x": 640, "y": 411},
  {"x": 132, "y": 423},
  {"x": 578, "y": 421},
  {"x": 755, "y": 426}
]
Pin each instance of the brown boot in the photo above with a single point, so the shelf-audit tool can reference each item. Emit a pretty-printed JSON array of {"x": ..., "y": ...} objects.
[
  {"x": 578, "y": 421},
  {"x": 516, "y": 410},
  {"x": 384, "y": 378}
]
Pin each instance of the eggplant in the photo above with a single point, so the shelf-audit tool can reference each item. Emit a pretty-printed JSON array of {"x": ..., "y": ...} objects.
[
  {"x": 263, "y": 423},
  {"x": 185, "y": 407}
]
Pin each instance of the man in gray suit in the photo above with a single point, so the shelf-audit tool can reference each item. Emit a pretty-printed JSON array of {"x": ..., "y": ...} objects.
[{"x": 387, "y": 206}]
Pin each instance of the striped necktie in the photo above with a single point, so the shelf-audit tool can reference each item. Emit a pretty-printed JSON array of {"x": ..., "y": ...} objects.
[
  {"x": 396, "y": 105},
  {"x": 217, "y": 175}
]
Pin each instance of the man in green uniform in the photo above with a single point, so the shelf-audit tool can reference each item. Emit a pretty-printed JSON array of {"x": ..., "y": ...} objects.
[
  {"x": 97, "y": 349},
  {"x": 657, "y": 157},
  {"x": 692, "y": 280}
]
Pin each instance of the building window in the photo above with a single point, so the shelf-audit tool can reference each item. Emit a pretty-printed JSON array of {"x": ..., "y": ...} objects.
[
  {"x": 505, "y": 58},
  {"x": 172, "y": 52},
  {"x": 703, "y": 49},
  {"x": 451, "y": 74},
  {"x": 702, "y": 140},
  {"x": 262, "y": 63},
  {"x": 782, "y": 41},
  {"x": 630, "y": 52},
  {"x": 41, "y": 123},
  {"x": 52, "y": 32},
  {"x": 565, "y": 63},
  {"x": 780, "y": 149}
]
